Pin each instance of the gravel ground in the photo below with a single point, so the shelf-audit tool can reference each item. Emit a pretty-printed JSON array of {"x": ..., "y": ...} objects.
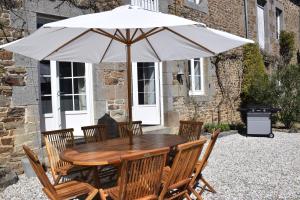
[{"x": 239, "y": 168}]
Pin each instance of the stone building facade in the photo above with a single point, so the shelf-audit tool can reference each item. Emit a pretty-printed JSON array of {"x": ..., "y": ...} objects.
[{"x": 20, "y": 90}]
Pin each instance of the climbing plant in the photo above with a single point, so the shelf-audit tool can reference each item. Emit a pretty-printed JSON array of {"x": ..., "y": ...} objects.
[{"x": 287, "y": 46}]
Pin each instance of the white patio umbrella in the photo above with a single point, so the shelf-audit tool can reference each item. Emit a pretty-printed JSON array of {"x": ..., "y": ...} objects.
[{"x": 124, "y": 34}]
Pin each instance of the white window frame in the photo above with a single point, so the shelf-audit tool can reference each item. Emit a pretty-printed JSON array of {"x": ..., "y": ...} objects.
[
  {"x": 192, "y": 90},
  {"x": 261, "y": 31},
  {"x": 278, "y": 14},
  {"x": 195, "y": 1}
]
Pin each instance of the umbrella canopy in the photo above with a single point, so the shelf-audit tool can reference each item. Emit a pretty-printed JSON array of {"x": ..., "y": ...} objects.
[
  {"x": 125, "y": 34},
  {"x": 102, "y": 37}
]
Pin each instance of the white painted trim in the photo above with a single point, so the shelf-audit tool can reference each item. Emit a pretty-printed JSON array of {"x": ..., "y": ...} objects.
[
  {"x": 90, "y": 93},
  {"x": 161, "y": 105},
  {"x": 55, "y": 94}
]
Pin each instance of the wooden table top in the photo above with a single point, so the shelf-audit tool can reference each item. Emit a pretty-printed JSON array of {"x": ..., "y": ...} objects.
[{"x": 110, "y": 151}]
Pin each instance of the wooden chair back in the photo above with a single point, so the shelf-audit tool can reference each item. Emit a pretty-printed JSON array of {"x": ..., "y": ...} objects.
[
  {"x": 57, "y": 141},
  {"x": 39, "y": 170},
  {"x": 136, "y": 128},
  {"x": 183, "y": 166},
  {"x": 95, "y": 133},
  {"x": 190, "y": 129},
  {"x": 141, "y": 174},
  {"x": 209, "y": 148}
]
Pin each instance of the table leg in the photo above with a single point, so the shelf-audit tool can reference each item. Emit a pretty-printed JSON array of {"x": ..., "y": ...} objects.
[{"x": 96, "y": 177}]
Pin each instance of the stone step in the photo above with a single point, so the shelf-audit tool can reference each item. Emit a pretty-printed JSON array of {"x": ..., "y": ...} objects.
[{"x": 156, "y": 130}]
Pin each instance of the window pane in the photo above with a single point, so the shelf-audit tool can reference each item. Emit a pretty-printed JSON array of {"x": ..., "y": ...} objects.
[
  {"x": 45, "y": 85},
  {"x": 147, "y": 98},
  {"x": 80, "y": 102},
  {"x": 78, "y": 69},
  {"x": 65, "y": 86},
  {"x": 197, "y": 69},
  {"x": 146, "y": 70},
  {"x": 66, "y": 103},
  {"x": 79, "y": 86},
  {"x": 65, "y": 69},
  {"x": 44, "y": 67},
  {"x": 146, "y": 86},
  {"x": 197, "y": 82},
  {"x": 46, "y": 104}
]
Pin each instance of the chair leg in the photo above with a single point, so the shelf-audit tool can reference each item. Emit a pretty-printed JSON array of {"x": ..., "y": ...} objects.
[
  {"x": 192, "y": 190},
  {"x": 57, "y": 179},
  {"x": 92, "y": 195},
  {"x": 187, "y": 196},
  {"x": 102, "y": 194},
  {"x": 206, "y": 184}
]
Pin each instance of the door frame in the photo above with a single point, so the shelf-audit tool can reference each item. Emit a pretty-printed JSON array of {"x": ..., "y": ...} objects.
[
  {"x": 55, "y": 95},
  {"x": 159, "y": 90}
]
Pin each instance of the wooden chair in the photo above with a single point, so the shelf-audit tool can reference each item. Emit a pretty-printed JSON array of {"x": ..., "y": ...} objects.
[
  {"x": 190, "y": 129},
  {"x": 123, "y": 128},
  {"x": 203, "y": 163},
  {"x": 57, "y": 141},
  {"x": 67, "y": 190},
  {"x": 95, "y": 133},
  {"x": 176, "y": 180},
  {"x": 140, "y": 176}
]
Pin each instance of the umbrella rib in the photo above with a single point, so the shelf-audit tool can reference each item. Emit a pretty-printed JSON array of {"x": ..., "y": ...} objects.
[
  {"x": 105, "y": 52},
  {"x": 151, "y": 46},
  {"x": 104, "y": 33},
  {"x": 73, "y": 39},
  {"x": 134, "y": 34},
  {"x": 191, "y": 41},
  {"x": 142, "y": 36},
  {"x": 123, "y": 37}
]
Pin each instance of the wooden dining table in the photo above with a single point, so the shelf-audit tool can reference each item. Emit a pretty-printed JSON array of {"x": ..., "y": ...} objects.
[{"x": 110, "y": 152}]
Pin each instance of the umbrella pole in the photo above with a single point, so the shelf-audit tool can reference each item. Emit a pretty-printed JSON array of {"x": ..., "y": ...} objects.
[{"x": 129, "y": 75}]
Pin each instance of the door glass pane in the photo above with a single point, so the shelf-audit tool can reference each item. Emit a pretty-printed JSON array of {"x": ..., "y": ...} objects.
[
  {"x": 147, "y": 98},
  {"x": 65, "y": 86},
  {"x": 46, "y": 104},
  {"x": 44, "y": 67},
  {"x": 78, "y": 69},
  {"x": 45, "y": 85},
  {"x": 65, "y": 69},
  {"x": 80, "y": 102},
  {"x": 79, "y": 86},
  {"x": 66, "y": 103},
  {"x": 146, "y": 83}
]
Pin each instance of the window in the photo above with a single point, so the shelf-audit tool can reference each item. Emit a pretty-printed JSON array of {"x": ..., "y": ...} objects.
[
  {"x": 278, "y": 22},
  {"x": 195, "y": 1},
  {"x": 72, "y": 86},
  {"x": 146, "y": 83},
  {"x": 45, "y": 81},
  {"x": 260, "y": 24},
  {"x": 196, "y": 76}
]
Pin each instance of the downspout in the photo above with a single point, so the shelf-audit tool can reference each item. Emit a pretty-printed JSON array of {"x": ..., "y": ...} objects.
[{"x": 246, "y": 18}]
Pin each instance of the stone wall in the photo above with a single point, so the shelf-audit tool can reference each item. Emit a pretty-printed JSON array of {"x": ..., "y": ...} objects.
[
  {"x": 212, "y": 106},
  {"x": 111, "y": 91},
  {"x": 12, "y": 117}
]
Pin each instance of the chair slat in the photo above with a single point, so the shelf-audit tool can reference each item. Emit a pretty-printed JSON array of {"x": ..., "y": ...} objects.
[
  {"x": 136, "y": 128},
  {"x": 190, "y": 129},
  {"x": 180, "y": 174},
  {"x": 67, "y": 190},
  {"x": 95, "y": 133}
]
